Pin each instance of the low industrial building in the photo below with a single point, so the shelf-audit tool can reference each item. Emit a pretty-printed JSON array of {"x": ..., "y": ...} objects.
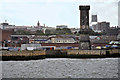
[
  {"x": 63, "y": 40},
  {"x": 38, "y": 39},
  {"x": 101, "y": 41}
]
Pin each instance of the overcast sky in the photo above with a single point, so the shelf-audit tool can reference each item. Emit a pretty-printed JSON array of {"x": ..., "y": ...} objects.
[{"x": 56, "y": 12}]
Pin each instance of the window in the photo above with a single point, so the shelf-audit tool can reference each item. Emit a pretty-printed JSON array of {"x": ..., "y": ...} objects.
[{"x": 14, "y": 38}]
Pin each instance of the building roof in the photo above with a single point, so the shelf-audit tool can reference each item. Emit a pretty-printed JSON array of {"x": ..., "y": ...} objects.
[
  {"x": 60, "y": 44},
  {"x": 39, "y": 37},
  {"x": 64, "y": 38},
  {"x": 102, "y": 39}
]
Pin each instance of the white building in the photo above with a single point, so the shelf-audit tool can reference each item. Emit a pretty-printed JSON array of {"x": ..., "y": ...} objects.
[
  {"x": 32, "y": 46},
  {"x": 63, "y": 40}
]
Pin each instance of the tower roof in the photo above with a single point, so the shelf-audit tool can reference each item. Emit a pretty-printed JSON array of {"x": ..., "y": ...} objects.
[
  {"x": 38, "y": 23},
  {"x": 84, "y": 7}
]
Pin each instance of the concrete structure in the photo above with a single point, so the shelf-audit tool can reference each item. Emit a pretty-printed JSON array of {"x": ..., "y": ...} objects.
[
  {"x": 86, "y": 52},
  {"x": 84, "y": 42}
]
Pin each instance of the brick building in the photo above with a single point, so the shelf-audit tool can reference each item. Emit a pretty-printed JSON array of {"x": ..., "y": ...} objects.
[{"x": 5, "y": 36}]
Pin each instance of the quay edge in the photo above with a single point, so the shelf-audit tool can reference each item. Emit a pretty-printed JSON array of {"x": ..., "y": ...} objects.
[{"x": 42, "y": 54}]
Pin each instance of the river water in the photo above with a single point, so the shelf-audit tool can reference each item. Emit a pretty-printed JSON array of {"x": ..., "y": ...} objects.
[{"x": 61, "y": 68}]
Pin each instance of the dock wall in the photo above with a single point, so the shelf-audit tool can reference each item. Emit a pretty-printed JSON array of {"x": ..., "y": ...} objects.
[
  {"x": 31, "y": 55},
  {"x": 86, "y": 52},
  {"x": 22, "y": 55}
]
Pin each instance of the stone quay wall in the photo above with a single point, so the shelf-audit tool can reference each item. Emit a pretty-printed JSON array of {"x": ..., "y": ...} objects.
[
  {"x": 86, "y": 52},
  {"x": 23, "y": 53}
]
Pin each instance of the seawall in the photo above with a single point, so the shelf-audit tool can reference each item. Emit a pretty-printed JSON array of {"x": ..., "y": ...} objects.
[
  {"x": 86, "y": 53},
  {"x": 22, "y": 55},
  {"x": 33, "y": 55}
]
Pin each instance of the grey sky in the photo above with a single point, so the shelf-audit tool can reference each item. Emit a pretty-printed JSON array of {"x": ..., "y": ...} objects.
[
  {"x": 119, "y": 14},
  {"x": 56, "y": 12}
]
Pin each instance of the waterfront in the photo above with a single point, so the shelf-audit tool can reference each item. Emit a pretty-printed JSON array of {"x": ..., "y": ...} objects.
[{"x": 61, "y": 68}]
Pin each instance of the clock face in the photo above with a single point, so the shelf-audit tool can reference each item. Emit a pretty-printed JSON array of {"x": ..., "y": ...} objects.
[
  {"x": 83, "y": 27},
  {"x": 82, "y": 44},
  {"x": 85, "y": 45}
]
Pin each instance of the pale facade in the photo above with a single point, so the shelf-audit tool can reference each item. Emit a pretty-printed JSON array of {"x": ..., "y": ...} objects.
[{"x": 63, "y": 40}]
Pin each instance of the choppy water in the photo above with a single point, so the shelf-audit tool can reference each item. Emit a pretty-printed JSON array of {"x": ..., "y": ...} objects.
[{"x": 61, "y": 68}]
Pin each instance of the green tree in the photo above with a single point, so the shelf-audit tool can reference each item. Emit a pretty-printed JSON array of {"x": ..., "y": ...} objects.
[
  {"x": 67, "y": 30},
  {"x": 39, "y": 32},
  {"x": 48, "y": 31},
  {"x": 63, "y": 31},
  {"x": 22, "y": 32}
]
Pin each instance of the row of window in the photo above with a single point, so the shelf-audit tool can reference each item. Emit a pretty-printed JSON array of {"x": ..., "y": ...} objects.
[{"x": 64, "y": 41}]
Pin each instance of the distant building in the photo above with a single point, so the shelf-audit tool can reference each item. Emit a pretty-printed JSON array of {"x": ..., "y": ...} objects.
[
  {"x": 38, "y": 39},
  {"x": 61, "y": 26},
  {"x": 101, "y": 41},
  {"x": 5, "y": 25},
  {"x": 38, "y": 24},
  {"x": 94, "y": 18},
  {"x": 63, "y": 40},
  {"x": 101, "y": 27},
  {"x": 5, "y": 36},
  {"x": 118, "y": 37},
  {"x": 15, "y": 28},
  {"x": 113, "y": 31},
  {"x": 93, "y": 22},
  {"x": 17, "y": 40}
]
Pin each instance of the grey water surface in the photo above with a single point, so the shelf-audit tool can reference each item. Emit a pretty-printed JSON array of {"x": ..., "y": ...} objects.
[{"x": 61, "y": 68}]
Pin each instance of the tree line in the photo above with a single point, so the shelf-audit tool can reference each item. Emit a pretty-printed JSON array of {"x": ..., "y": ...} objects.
[{"x": 47, "y": 32}]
